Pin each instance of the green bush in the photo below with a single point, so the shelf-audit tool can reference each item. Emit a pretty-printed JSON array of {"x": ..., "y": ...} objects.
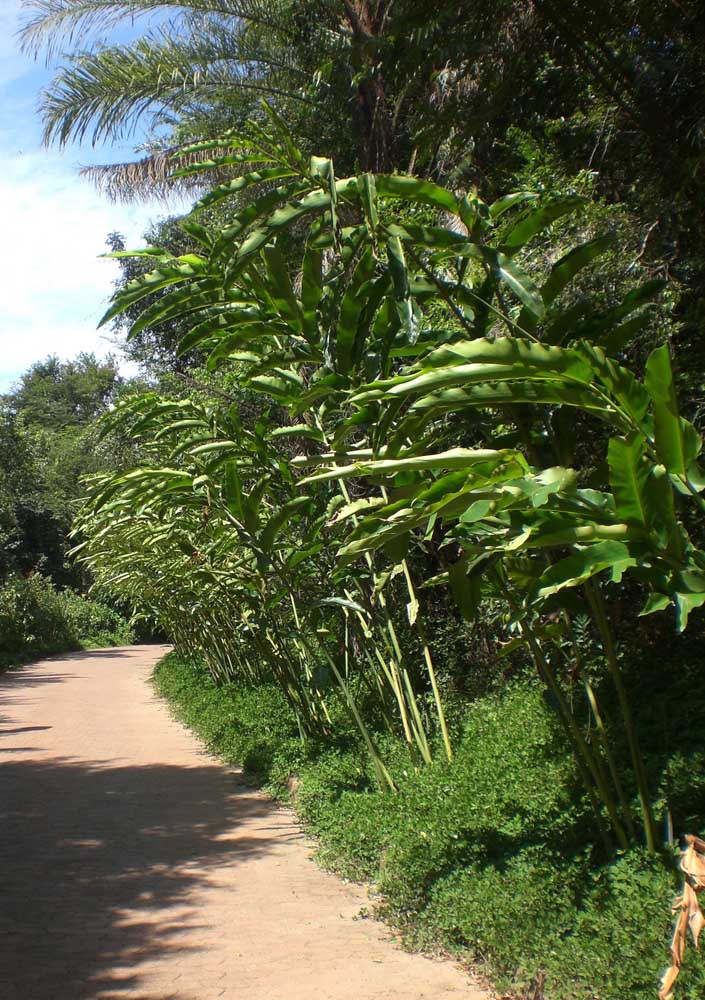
[
  {"x": 32, "y": 618},
  {"x": 490, "y": 856},
  {"x": 92, "y": 622},
  {"x": 36, "y": 619}
]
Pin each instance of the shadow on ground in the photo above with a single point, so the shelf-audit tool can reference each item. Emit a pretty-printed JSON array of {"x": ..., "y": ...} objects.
[{"x": 89, "y": 852}]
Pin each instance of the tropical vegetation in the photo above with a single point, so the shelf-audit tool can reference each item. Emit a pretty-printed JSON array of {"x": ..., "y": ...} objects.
[
  {"x": 409, "y": 394},
  {"x": 414, "y": 480},
  {"x": 37, "y": 619},
  {"x": 48, "y": 442},
  {"x": 491, "y": 856}
]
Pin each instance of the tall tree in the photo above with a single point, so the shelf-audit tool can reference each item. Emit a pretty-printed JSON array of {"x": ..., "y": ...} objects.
[
  {"x": 48, "y": 443},
  {"x": 376, "y": 71},
  {"x": 60, "y": 395},
  {"x": 209, "y": 63}
]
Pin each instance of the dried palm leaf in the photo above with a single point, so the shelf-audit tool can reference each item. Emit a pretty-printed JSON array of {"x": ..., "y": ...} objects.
[
  {"x": 687, "y": 908},
  {"x": 151, "y": 177}
]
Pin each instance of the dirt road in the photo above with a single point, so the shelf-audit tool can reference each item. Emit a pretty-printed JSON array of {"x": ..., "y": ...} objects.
[{"x": 134, "y": 865}]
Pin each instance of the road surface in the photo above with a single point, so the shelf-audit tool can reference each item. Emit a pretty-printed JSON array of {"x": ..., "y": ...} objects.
[{"x": 134, "y": 865}]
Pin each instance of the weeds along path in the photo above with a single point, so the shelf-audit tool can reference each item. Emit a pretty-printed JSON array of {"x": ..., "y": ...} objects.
[{"x": 132, "y": 865}]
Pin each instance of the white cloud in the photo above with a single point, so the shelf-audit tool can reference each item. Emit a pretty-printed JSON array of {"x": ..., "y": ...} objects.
[{"x": 53, "y": 285}]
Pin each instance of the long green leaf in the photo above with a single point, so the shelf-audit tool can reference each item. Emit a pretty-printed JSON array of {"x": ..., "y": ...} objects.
[
  {"x": 538, "y": 220},
  {"x": 456, "y": 458},
  {"x": 629, "y": 472},
  {"x": 414, "y": 189},
  {"x": 582, "y": 565},
  {"x": 677, "y": 442}
]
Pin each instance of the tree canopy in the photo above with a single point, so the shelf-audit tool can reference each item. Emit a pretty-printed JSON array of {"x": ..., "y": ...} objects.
[{"x": 48, "y": 443}]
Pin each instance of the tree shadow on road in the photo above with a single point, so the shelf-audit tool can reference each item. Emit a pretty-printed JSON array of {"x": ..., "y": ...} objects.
[{"x": 97, "y": 864}]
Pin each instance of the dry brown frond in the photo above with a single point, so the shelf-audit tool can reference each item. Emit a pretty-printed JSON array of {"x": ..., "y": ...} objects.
[
  {"x": 150, "y": 178},
  {"x": 687, "y": 908}
]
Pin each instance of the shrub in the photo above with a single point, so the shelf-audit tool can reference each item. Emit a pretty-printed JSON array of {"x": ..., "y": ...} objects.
[
  {"x": 94, "y": 623},
  {"x": 36, "y": 619},
  {"x": 32, "y": 619}
]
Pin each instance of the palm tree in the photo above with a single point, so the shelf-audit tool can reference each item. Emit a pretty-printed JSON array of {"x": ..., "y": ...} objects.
[
  {"x": 201, "y": 68},
  {"x": 363, "y": 80},
  {"x": 385, "y": 83}
]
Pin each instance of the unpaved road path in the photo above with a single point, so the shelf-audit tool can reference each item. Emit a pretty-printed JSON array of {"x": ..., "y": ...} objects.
[{"x": 134, "y": 865}]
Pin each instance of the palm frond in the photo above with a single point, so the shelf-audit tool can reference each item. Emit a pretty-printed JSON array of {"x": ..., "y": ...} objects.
[
  {"x": 151, "y": 177},
  {"x": 108, "y": 90},
  {"x": 50, "y": 24}
]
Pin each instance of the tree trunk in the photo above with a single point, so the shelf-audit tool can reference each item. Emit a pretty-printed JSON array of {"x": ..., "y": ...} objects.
[{"x": 371, "y": 114}]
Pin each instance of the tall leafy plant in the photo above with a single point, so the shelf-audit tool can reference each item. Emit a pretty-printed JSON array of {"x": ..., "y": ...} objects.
[{"x": 429, "y": 380}]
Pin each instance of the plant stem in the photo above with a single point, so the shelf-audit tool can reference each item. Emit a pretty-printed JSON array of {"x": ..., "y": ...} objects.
[
  {"x": 428, "y": 659},
  {"x": 587, "y": 766},
  {"x": 597, "y": 606},
  {"x": 611, "y": 762}
]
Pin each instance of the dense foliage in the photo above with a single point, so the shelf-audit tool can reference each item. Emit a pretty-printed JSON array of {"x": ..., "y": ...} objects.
[
  {"x": 405, "y": 418},
  {"x": 48, "y": 442},
  {"x": 484, "y": 513},
  {"x": 36, "y": 620},
  {"x": 598, "y": 98},
  {"x": 439, "y": 439}
]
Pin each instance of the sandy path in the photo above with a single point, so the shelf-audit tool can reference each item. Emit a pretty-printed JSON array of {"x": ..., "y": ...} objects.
[{"x": 134, "y": 865}]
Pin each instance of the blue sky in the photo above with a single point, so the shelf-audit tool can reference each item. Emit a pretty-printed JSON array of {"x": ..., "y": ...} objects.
[{"x": 54, "y": 285}]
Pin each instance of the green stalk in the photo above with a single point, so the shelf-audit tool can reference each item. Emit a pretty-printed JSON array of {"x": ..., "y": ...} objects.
[
  {"x": 418, "y": 625},
  {"x": 609, "y": 755},
  {"x": 391, "y": 671},
  {"x": 597, "y": 606},
  {"x": 383, "y": 776},
  {"x": 587, "y": 766},
  {"x": 420, "y": 734},
  {"x": 397, "y": 658},
  {"x": 602, "y": 731},
  {"x": 584, "y": 757},
  {"x": 302, "y": 654},
  {"x": 379, "y": 690}
]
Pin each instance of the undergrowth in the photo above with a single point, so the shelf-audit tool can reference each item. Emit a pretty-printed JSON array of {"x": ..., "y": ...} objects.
[
  {"x": 491, "y": 856},
  {"x": 37, "y": 619}
]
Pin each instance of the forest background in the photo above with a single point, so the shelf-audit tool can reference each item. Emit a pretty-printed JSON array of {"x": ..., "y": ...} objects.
[{"x": 513, "y": 774}]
